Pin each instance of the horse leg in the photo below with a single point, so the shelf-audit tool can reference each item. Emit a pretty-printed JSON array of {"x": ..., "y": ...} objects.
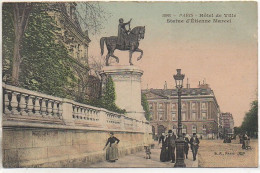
[
  {"x": 107, "y": 58},
  {"x": 112, "y": 54},
  {"x": 130, "y": 57},
  {"x": 139, "y": 50}
]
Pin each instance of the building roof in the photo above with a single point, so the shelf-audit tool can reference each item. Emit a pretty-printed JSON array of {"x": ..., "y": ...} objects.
[{"x": 185, "y": 92}]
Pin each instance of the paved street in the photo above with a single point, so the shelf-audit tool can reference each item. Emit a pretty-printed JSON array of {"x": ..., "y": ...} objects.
[
  {"x": 212, "y": 153},
  {"x": 138, "y": 160},
  {"x": 215, "y": 153}
]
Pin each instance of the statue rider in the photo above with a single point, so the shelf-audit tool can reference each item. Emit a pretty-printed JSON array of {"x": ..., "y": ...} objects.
[{"x": 123, "y": 32}]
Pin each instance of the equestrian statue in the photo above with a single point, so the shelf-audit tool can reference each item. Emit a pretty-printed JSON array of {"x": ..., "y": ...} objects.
[{"x": 126, "y": 40}]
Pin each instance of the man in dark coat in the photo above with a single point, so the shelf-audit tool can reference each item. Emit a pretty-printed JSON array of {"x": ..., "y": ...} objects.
[
  {"x": 186, "y": 145},
  {"x": 194, "y": 143},
  {"x": 170, "y": 142}
]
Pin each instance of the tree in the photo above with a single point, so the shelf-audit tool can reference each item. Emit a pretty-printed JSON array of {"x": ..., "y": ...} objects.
[
  {"x": 108, "y": 100},
  {"x": 45, "y": 62},
  {"x": 20, "y": 17},
  {"x": 250, "y": 122},
  {"x": 237, "y": 130},
  {"x": 146, "y": 107}
]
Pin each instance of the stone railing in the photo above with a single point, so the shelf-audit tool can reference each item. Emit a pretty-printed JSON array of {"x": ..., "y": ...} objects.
[{"x": 29, "y": 108}]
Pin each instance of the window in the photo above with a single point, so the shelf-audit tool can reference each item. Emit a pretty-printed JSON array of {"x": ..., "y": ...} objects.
[
  {"x": 193, "y": 106},
  {"x": 183, "y": 106},
  {"x": 184, "y": 129},
  {"x": 152, "y": 115},
  {"x": 183, "y": 116},
  {"x": 204, "y": 127},
  {"x": 160, "y": 115},
  {"x": 204, "y": 115},
  {"x": 173, "y": 106},
  {"x": 194, "y": 129},
  {"x": 203, "y": 106},
  {"x": 160, "y": 106},
  {"x": 193, "y": 116},
  {"x": 174, "y": 118},
  {"x": 151, "y": 106}
]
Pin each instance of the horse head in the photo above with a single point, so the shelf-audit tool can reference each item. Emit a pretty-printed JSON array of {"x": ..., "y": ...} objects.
[{"x": 139, "y": 31}]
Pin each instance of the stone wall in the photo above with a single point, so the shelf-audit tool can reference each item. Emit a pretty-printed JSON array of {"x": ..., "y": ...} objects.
[
  {"x": 36, "y": 147},
  {"x": 45, "y": 131}
]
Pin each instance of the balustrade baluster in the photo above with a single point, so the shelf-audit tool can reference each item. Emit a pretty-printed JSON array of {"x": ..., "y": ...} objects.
[
  {"x": 14, "y": 103},
  {"x": 77, "y": 112},
  {"x": 55, "y": 109},
  {"x": 50, "y": 107},
  {"x": 60, "y": 110},
  {"x": 23, "y": 105},
  {"x": 94, "y": 115},
  {"x": 84, "y": 113},
  {"x": 80, "y": 112},
  {"x": 44, "y": 107},
  {"x": 73, "y": 111},
  {"x": 8, "y": 100},
  {"x": 30, "y": 105},
  {"x": 37, "y": 107},
  {"x": 90, "y": 114}
]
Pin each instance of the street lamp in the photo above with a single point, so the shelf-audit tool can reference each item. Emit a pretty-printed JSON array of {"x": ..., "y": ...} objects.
[{"x": 180, "y": 141}]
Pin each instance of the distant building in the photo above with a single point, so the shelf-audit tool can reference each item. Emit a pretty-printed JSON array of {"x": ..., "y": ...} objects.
[
  {"x": 227, "y": 123},
  {"x": 200, "y": 110}
]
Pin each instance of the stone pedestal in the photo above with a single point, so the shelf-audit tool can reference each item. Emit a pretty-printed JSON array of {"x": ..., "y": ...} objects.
[{"x": 127, "y": 80}]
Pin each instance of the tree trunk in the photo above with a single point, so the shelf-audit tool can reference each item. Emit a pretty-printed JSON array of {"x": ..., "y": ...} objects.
[
  {"x": 21, "y": 16},
  {"x": 16, "y": 61}
]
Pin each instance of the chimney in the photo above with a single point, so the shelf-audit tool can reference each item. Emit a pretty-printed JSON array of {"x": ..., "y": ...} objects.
[
  {"x": 199, "y": 83},
  {"x": 165, "y": 85},
  {"x": 188, "y": 83}
]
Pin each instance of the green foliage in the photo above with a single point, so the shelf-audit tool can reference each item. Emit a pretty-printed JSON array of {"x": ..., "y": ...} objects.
[
  {"x": 146, "y": 107},
  {"x": 8, "y": 37},
  {"x": 237, "y": 130},
  {"x": 108, "y": 100},
  {"x": 250, "y": 123},
  {"x": 45, "y": 62}
]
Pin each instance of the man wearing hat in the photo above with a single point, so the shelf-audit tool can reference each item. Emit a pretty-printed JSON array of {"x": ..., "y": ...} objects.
[
  {"x": 194, "y": 143},
  {"x": 170, "y": 141}
]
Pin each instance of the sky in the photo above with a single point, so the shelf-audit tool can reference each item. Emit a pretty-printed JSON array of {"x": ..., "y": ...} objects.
[{"x": 222, "y": 54}]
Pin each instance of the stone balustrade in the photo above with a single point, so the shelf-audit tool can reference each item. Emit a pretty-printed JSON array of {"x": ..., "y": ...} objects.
[{"x": 32, "y": 108}]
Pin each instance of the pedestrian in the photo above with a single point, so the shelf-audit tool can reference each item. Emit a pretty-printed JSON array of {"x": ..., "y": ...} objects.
[
  {"x": 164, "y": 151},
  {"x": 112, "y": 150},
  {"x": 244, "y": 141},
  {"x": 194, "y": 143},
  {"x": 186, "y": 145},
  {"x": 170, "y": 141}
]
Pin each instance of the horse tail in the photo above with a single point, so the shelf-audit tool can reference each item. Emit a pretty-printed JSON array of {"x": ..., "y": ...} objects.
[{"x": 102, "y": 40}]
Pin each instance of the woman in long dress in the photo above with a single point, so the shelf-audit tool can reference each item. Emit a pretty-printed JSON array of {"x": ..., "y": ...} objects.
[
  {"x": 164, "y": 157},
  {"x": 112, "y": 150}
]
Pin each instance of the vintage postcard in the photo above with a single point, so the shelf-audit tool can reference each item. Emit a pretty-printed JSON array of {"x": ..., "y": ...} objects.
[{"x": 90, "y": 84}]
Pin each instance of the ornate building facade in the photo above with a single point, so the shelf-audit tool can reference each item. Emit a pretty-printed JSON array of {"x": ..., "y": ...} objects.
[
  {"x": 200, "y": 111},
  {"x": 77, "y": 42}
]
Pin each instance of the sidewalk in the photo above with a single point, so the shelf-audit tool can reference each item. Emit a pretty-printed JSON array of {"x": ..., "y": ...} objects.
[{"x": 138, "y": 160}]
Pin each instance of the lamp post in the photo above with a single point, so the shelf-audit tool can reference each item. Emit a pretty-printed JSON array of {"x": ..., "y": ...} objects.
[{"x": 180, "y": 141}]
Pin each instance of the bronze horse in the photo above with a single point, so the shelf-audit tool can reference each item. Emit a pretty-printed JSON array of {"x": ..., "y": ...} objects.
[{"x": 132, "y": 39}]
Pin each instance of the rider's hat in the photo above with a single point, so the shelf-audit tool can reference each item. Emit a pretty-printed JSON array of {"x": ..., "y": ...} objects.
[{"x": 121, "y": 19}]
